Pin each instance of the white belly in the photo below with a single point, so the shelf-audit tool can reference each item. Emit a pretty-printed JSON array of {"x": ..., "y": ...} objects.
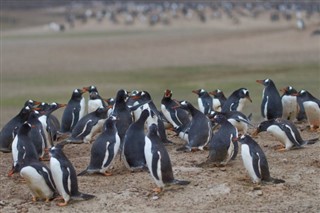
[
  {"x": 289, "y": 105},
  {"x": 93, "y": 105},
  {"x": 58, "y": 178},
  {"x": 313, "y": 113},
  {"x": 248, "y": 164},
  {"x": 280, "y": 135}
]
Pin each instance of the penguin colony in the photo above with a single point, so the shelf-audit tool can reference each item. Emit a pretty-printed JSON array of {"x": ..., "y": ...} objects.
[{"x": 131, "y": 126}]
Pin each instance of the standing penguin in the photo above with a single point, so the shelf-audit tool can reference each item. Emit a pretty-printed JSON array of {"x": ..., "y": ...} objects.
[
  {"x": 236, "y": 101},
  {"x": 133, "y": 144},
  {"x": 95, "y": 101},
  {"x": 64, "y": 176},
  {"x": 255, "y": 161},
  {"x": 10, "y": 129},
  {"x": 285, "y": 131},
  {"x": 39, "y": 180},
  {"x": 23, "y": 149},
  {"x": 204, "y": 101},
  {"x": 104, "y": 149},
  {"x": 73, "y": 112},
  {"x": 158, "y": 161},
  {"x": 223, "y": 146},
  {"x": 289, "y": 103},
  {"x": 312, "y": 108},
  {"x": 218, "y": 99},
  {"x": 88, "y": 126},
  {"x": 199, "y": 132},
  {"x": 271, "y": 106}
]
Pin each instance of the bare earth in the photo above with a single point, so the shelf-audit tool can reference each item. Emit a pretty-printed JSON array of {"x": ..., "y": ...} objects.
[{"x": 211, "y": 189}]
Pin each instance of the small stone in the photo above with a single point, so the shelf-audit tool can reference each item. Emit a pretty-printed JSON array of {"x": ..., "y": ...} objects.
[
  {"x": 285, "y": 160},
  {"x": 223, "y": 169},
  {"x": 259, "y": 193},
  {"x": 155, "y": 197},
  {"x": 2, "y": 203}
]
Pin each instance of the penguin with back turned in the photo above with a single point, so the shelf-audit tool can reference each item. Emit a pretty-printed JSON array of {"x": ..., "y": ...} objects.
[
  {"x": 271, "y": 106},
  {"x": 255, "y": 161},
  {"x": 236, "y": 101},
  {"x": 64, "y": 176},
  {"x": 158, "y": 161},
  {"x": 204, "y": 101},
  {"x": 74, "y": 111},
  {"x": 39, "y": 180},
  {"x": 104, "y": 149}
]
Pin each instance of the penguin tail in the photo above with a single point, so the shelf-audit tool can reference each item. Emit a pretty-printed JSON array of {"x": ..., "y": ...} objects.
[
  {"x": 83, "y": 172},
  {"x": 83, "y": 196},
  {"x": 277, "y": 181},
  {"x": 180, "y": 182},
  {"x": 312, "y": 141}
]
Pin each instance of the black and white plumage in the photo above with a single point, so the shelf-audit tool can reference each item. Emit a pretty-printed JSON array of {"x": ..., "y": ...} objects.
[
  {"x": 223, "y": 146},
  {"x": 158, "y": 160},
  {"x": 311, "y": 107},
  {"x": 39, "y": 180},
  {"x": 204, "y": 101},
  {"x": 10, "y": 129},
  {"x": 237, "y": 100},
  {"x": 218, "y": 99},
  {"x": 255, "y": 161},
  {"x": 64, "y": 176},
  {"x": 199, "y": 130},
  {"x": 289, "y": 103},
  {"x": 74, "y": 111},
  {"x": 88, "y": 126},
  {"x": 133, "y": 144},
  {"x": 104, "y": 149},
  {"x": 271, "y": 106},
  {"x": 95, "y": 100}
]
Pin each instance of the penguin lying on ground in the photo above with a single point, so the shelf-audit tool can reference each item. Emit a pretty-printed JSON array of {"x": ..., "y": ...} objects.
[
  {"x": 64, "y": 176},
  {"x": 39, "y": 180},
  {"x": 285, "y": 131},
  {"x": 255, "y": 161},
  {"x": 158, "y": 161},
  {"x": 104, "y": 149}
]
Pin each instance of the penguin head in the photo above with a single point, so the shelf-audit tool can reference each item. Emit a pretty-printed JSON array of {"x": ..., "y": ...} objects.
[
  {"x": 90, "y": 89},
  {"x": 153, "y": 129},
  {"x": 122, "y": 95},
  {"x": 25, "y": 112},
  {"x": 31, "y": 103},
  {"x": 110, "y": 101},
  {"x": 289, "y": 90},
  {"x": 263, "y": 126},
  {"x": 55, "y": 150},
  {"x": 244, "y": 93},
  {"x": 266, "y": 82},
  {"x": 167, "y": 93},
  {"x": 246, "y": 139},
  {"x": 199, "y": 92},
  {"x": 55, "y": 106},
  {"x": 217, "y": 93},
  {"x": 94, "y": 95},
  {"x": 77, "y": 94},
  {"x": 219, "y": 118}
]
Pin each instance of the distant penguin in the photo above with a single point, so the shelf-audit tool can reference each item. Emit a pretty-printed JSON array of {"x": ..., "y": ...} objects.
[
  {"x": 271, "y": 106},
  {"x": 122, "y": 112},
  {"x": 10, "y": 129},
  {"x": 204, "y": 101},
  {"x": 285, "y": 131},
  {"x": 39, "y": 180},
  {"x": 64, "y": 176},
  {"x": 224, "y": 143},
  {"x": 133, "y": 144},
  {"x": 199, "y": 132},
  {"x": 104, "y": 149},
  {"x": 23, "y": 149},
  {"x": 158, "y": 161},
  {"x": 289, "y": 103},
  {"x": 255, "y": 161},
  {"x": 218, "y": 99},
  {"x": 74, "y": 111},
  {"x": 236, "y": 101},
  {"x": 311, "y": 107},
  {"x": 95, "y": 101},
  {"x": 88, "y": 126}
]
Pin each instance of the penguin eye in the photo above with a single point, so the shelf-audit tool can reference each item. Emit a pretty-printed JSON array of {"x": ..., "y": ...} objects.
[{"x": 202, "y": 90}]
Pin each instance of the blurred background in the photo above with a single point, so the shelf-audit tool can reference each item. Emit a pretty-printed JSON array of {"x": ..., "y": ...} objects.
[{"x": 51, "y": 47}]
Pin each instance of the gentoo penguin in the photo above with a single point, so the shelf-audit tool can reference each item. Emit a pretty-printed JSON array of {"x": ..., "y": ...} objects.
[
  {"x": 218, "y": 99},
  {"x": 301, "y": 114},
  {"x": 289, "y": 103},
  {"x": 312, "y": 108},
  {"x": 284, "y": 130},
  {"x": 177, "y": 117},
  {"x": 74, "y": 111},
  {"x": 271, "y": 106},
  {"x": 236, "y": 101},
  {"x": 95, "y": 101},
  {"x": 104, "y": 149},
  {"x": 122, "y": 112},
  {"x": 223, "y": 145},
  {"x": 199, "y": 130},
  {"x": 88, "y": 126},
  {"x": 39, "y": 180},
  {"x": 204, "y": 101},
  {"x": 64, "y": 176},
  {"x": 158, "y": 161},
  {"x": 255, "y": 161},
  {"x": 133, "y": 144},
  {"x": 236, "y": 118},
  {"x": 144, "y": 99},
  {"x": 10, "y": 129},
  {"x": 23, "y": 149}
]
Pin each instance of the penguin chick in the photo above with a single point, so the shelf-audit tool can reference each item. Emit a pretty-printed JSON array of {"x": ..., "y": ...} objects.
[{"x": 255, "y": 161}]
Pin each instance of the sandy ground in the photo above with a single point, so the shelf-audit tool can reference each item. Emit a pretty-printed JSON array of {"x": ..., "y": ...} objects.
[{"x": 211, "y": 189}]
